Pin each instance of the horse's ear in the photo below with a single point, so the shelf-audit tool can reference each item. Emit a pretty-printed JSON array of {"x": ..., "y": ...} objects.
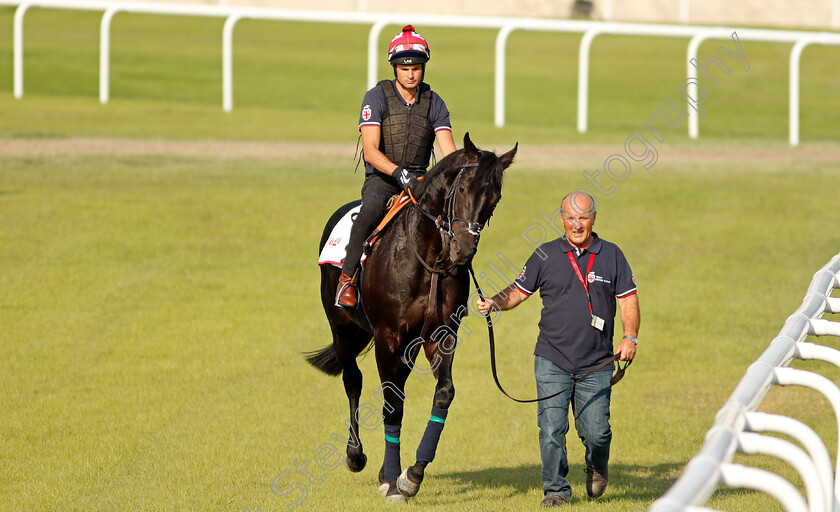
[
  {"x": 507, "y": 158},
  {"x": 469, "y": 148}
]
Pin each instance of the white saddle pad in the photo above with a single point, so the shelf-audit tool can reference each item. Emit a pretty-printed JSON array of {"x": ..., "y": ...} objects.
[{"x": 335, "y": 249}]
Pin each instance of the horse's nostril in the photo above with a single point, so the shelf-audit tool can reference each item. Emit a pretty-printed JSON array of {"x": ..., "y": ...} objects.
[{"x": 461, "y": 250}]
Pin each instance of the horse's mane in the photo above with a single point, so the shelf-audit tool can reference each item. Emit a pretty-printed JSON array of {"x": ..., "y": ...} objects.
[{"x": 488, "y": 170}]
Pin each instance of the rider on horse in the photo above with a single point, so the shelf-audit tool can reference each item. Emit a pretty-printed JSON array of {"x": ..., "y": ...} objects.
[{"x": 399, "y": 122}]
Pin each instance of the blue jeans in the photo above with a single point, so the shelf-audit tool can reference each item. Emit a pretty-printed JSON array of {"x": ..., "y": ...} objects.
[{"x": 590, "y": 399}]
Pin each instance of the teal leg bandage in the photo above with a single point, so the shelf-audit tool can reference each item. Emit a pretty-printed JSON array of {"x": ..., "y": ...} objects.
[
  {"x": 392, "y": 452},
  {"x": 431, "y": 437}
]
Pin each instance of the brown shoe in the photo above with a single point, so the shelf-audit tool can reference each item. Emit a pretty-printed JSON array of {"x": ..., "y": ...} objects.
[
  {"x": 554, "y": 501},
  {"x": 345, "y": 295},
  {"x": 596, "y": 482}
]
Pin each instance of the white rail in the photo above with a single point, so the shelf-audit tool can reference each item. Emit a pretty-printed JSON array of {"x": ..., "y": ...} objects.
[
  {"x": 378, "y": 22},
  {"x": 705, "y": 472}
]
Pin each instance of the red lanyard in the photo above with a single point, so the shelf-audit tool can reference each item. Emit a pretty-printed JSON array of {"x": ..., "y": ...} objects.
[{"x": 580, "y": 277}]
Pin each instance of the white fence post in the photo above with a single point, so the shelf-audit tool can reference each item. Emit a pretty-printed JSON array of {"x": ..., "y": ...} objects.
[
  {"x": 105, "y": 54},
  {"x": 373, "y": 51},
  {"x": 757, "y": 444},
  {"x": 227, "y": 61},
  {"x": 583, "y": 78},
  {"x": 589, "y": 29},
  {"x": 823, "y": 327},
  {"x": 499, "y": 81},
  {"x": 20, "y": 12},
  {"x": 712, "y": 466},
  {"x": 743, "y": 477},
  {"x": 810, "y": 440},
  {"x": 793, "y": 77},
  {"x": 820, "y": 384},
  {"x": 690, "y": 60}
]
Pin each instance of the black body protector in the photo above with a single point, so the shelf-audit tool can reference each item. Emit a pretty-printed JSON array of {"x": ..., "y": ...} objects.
[{"x": 407, "y": 136}]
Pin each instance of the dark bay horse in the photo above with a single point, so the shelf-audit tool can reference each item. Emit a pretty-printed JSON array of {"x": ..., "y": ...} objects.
[{"x": 414, "y": 293}]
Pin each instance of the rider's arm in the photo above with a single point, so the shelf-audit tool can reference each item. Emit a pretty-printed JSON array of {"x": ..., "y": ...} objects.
[
  {"x": 445, "y": 141},
  {"x": 370, "y": 147}
]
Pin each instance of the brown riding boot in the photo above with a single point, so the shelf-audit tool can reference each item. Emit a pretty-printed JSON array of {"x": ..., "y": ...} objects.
[{"x": 345, "y": 295}]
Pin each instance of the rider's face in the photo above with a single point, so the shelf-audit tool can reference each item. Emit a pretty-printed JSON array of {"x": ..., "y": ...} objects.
[{"x": 409, "y": 76}]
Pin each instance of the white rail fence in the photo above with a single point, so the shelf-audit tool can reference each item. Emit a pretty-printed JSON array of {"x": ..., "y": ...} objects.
[
  {"x": 505, "y": 26},
  {"x": 738, "y": 426}
]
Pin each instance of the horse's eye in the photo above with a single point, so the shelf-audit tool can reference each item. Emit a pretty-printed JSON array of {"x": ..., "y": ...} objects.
[{"x": 462, "y": 188}]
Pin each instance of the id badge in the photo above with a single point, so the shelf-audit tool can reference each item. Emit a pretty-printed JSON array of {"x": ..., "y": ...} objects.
[{"x": 597, "y": 322}]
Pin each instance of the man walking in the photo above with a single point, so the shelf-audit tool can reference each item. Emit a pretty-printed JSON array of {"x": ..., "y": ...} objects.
[{"x": 580, "y": 276}]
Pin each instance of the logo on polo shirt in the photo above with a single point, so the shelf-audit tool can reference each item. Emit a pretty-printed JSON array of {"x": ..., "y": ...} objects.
[
  {"x": 592, "y": 277},
  {"x": 366, "y": 113}
]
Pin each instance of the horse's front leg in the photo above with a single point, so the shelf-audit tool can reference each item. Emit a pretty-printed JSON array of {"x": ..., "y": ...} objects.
[
  {"x": 409, "y": 481},
  {"x": 393, "y": 373}
]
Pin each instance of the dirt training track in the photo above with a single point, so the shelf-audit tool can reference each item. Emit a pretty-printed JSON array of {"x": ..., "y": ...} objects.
[{"x": 535, "y": 156}]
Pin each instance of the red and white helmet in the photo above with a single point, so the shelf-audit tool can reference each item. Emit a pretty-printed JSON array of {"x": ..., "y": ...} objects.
[{"x": 408, "y": 47}]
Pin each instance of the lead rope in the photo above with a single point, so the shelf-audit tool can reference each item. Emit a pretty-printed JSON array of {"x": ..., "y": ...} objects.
[{"x": 493, "y": 355}]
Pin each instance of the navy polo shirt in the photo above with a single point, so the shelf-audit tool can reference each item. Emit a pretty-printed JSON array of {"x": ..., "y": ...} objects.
[
  {"x": 567, "y": 337},
  {"x": 374, "y": 107}
]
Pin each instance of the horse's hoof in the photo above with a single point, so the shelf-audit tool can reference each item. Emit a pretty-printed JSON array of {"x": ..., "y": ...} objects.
[
  {"x": 383, "y": 484},
  {"x": 353, "y": 466},
  {"x": 393, "y": 494},
  {"x": 406, "y": 486}
]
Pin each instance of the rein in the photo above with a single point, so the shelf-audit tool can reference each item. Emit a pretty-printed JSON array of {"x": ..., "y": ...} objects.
[
  {"x": 613, "y": 381},
  {"x": 445, "y": 228}
]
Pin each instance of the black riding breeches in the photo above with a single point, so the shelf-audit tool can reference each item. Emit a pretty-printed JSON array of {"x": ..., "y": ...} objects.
[{"x": 375, "y": 194}]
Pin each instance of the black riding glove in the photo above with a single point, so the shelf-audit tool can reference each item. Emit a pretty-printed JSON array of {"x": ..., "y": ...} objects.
[{"x": 407, "y": 179}]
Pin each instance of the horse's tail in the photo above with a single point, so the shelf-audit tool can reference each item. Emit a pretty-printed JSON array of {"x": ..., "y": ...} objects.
[{"x": 325, "y": 360}]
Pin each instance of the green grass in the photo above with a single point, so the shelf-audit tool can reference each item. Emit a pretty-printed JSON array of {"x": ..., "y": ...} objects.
[
  {"x": 154, "y": 308},
  {"x": 304, "y": 81}
]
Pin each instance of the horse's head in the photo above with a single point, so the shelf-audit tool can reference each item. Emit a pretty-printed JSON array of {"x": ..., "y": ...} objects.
[{"x": 463, "y": 189}]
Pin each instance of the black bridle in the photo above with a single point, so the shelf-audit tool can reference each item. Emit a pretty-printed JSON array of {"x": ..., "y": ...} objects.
[
  {"x": 445, "y": 225},
  {"x": 445, "y": 229},
  {"x": 474, "y": 228}
]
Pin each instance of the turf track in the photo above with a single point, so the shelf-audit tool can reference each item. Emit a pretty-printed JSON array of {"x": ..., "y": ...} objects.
[{"x": 157, "y": 276}]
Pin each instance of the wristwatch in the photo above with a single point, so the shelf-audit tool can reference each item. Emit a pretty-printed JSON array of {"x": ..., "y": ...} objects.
[{"x": 631, "y": 338}]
